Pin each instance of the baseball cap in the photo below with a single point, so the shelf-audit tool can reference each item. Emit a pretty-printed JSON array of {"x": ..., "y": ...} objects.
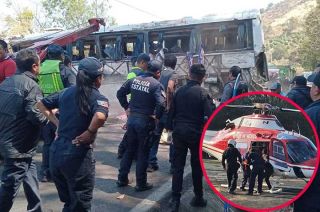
[
  {"x": 154, "y": 66},
  {"x": 198, "y": 69},
  {"x": 315, "y": 78},
  {"x": 91, "y": 66},
  {"x": 299, "y": 80},
  {"x": 275, "y": 85}
]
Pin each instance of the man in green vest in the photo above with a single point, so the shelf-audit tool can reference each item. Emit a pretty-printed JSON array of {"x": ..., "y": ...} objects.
[{"x": 54, "y": 76}]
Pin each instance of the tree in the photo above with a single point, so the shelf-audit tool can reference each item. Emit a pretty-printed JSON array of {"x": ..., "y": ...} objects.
[
  {"x": 310, "y": 46},
  {"x": 21, "y": 22},
  {"x": 74, "y": 13}
]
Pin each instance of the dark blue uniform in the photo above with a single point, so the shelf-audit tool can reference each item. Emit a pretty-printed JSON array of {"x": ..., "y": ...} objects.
[
  {"x": 146, "y": 98},
  {"x": 301, "y": 96},
  {"x": 48, "y": 131},
  {"x": 73, "y": 167},
  {"x": 309, "y": 201},
  {"x": 258, "y": 165},
  {"x": 191, "y": 107},
  {"x": 231, "y": 155}
]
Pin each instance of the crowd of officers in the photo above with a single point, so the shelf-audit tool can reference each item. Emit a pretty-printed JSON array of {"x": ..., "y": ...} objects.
[
  {"x": 69, "y": 110},
  {"x": 255, "y": 163}
]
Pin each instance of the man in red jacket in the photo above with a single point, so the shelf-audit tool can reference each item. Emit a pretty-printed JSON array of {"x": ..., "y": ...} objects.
[{"x": 7, "y": 65}]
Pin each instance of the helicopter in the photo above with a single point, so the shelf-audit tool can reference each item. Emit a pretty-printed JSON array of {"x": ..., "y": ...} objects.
[{"x": 291, "y": 154}]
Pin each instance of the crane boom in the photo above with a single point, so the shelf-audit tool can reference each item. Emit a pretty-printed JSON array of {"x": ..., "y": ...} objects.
[{"x": 41, "y": 46}]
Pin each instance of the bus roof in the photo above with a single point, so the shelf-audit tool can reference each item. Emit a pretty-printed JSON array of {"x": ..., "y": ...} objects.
[{"x": 252, "y": 14}]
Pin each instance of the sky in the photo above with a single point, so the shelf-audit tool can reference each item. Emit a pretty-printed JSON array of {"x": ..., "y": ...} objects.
[{"x": 141, "y": 11}]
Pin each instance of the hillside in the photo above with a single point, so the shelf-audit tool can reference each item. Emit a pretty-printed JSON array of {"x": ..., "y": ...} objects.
[{"x": 283, "y": 26}]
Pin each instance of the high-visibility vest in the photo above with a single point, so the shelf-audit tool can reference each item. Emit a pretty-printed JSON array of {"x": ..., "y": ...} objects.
[{"x": 50, "y": 78}]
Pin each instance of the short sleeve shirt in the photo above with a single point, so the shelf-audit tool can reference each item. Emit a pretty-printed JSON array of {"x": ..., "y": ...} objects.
[{"x": 72, "y": 122}]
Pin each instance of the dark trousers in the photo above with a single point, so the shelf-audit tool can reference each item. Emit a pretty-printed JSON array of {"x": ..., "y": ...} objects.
[
  {"x": 267, "y": 179},
  {"x": 138, "y": 130},
  {"x": 181, "y": 145},
  {"x": 246, "y": 176},
  {"x": 73, "y": 173},
  {"x": 171, "y": 154},
  {"x": 153, "y": 160},
  {"x": 232, "y": 176},
  {"x": 48, "y": 134},
  {"x": 254, "y": 173},
  {"x": 16, "y": 172},
  {"x": 123, "y": 144}
]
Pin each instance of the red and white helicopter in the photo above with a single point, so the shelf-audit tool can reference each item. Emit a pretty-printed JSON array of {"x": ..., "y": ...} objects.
[{"x": 291, "y": 154}]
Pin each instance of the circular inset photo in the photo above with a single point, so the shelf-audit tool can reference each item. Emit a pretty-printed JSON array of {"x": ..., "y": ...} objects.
[{"x": 259, "y": 152}]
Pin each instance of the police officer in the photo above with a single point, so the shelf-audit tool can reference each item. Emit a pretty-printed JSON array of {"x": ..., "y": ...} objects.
[
  {"x": 300, "y": 92},
  {"x": 231, "y": 154},
  {"x": 167, "y": 80},
  {"x": 19, "y": 132},
  {"x": 246, "y": 170},
  {"x": 229, "y": 87},
  {"x": 142, "y": 65},
  {"x": 191, "y": 107},
  {"x": 309, "y": 201},
  {"x": 255, "y": 159},
  {"x": 55, "y": 61},
  {"x": 83, "y": 110},
  {"x": 268, "y": 169},
  {"x": 146, "y": 98}
]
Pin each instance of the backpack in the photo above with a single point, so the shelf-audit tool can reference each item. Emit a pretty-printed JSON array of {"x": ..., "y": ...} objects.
[
  {"x": 50, "y": 78},
  {"x": 241, "y": 88}
]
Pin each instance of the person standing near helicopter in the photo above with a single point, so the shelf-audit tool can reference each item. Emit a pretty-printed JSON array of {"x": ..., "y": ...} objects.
[
  {"x": 231, "y": 154},
  {"x": 246, "y": 170},
  {"x": 255, "y": 159}
]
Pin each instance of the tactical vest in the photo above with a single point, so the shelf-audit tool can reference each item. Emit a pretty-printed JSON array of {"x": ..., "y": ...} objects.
[{"x": 50, "y": 78}]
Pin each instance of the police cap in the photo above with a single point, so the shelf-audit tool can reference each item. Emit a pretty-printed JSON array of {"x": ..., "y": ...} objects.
[
  {"x": 91, "y": 66},
  {"x": 275, "y": 85},
  {"x": 315, "y": 78},
  {"x": 299, "y": 80},
  {"x": 198, "y": 69},
  {"x": 154, "y": 66}
]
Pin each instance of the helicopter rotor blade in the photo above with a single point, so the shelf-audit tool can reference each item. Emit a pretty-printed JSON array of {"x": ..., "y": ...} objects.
[
  {"x": 290, "y": 110},
  {"x": 240, "y": 106}
]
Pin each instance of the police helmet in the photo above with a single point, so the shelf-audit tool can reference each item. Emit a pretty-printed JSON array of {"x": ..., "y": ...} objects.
[{"x": 232, "y": 142}]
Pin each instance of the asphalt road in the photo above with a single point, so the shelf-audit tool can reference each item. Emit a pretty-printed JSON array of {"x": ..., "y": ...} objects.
[{"x": 107, "y": 196}]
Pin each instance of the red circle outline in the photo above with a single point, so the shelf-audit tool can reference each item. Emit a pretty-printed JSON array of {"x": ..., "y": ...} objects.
[{"x": 285, "y": 204}]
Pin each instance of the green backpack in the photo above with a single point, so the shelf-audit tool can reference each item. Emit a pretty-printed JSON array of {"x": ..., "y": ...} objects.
[{"x": 50, "y": 78}]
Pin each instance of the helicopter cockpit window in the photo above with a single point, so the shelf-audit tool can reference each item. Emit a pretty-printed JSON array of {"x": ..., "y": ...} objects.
[
  {"x": 278, "y": 151},
  {"x": 300, "y": 151},
  {"x": 260, "y": 123}
]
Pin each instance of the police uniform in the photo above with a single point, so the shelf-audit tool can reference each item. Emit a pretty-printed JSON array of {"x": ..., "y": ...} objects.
[
  {"x": 309, "y": 201},
  {"x": 231, "y": 154},
  {"x": 258, "y": 165},
  {"x": 134, "y": 72},
  {"x": 190, "y": 108},
  {"x": 146, "y": 97},
  {"x": 48, "y": 131},
  {"x": 73, "y": 167}
]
